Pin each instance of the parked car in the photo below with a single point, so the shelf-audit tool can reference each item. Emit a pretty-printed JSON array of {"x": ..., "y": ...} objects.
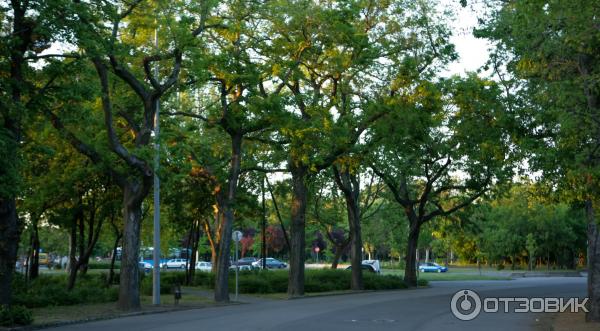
[
  {"x": 431, "y": 267},
  {"x": 174, "y": 263},
  {"x": 365, "y": 267},
  {"x": 204, "y": 266},
  {"x": 145, "y": 266},
  {"x": 370, "y": 266},
  {"x": 271, "y": 264},
  {"x": 44, "y": 259},
  {"x": 242, "y": 267},
  {"x": 246, "y": 261}
]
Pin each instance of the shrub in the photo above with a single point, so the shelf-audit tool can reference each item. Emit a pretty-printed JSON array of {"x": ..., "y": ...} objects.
[
  {"x": 204, "y": 279},
  {"x": 276, "y": 281},
  {"x": 167, "y": 281},
  {"x": 500, "y": 267},
  {"x": 327, "y": 280},
  {"x": 51, "y": 290},
  {"x": 15, "y": 315},
  {"x": 103, "y": 265},
  {"x": 379, "y": 282}
]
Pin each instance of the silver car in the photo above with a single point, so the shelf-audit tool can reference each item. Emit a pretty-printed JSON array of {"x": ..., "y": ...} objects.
[
  {"x": 174, "y": 263},
  {"x": 204, "y": 266}
]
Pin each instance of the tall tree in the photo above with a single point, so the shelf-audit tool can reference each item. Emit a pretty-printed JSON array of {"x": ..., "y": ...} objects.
[
  {"x": 352, "y": 54},
  {"x": 550, "y": 50},
  {"x": 420, "y": 160},
  {"x": 26, "y": 32},
  {"x": 117, "y": 39}
]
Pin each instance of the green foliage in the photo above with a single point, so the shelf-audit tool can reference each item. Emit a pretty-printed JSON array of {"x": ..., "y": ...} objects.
[
  {"x": 549, "y": 50},
  {"x": 104, "y": 265},
  {"x": 15, "y": 315},
  {"x": 517, "y": 226},
  {"x": 51, "y": 290},
  {"x": 168, "y": 281},
  {"x": 276, "y": 281},
  {"x": 9, "y": 164}
]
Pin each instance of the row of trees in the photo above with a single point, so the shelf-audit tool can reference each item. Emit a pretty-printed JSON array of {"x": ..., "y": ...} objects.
[{"x": 342, "y": 97}]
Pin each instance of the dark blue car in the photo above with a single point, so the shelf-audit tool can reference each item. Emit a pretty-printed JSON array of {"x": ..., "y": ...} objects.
[{"x": 431, "y": 267}]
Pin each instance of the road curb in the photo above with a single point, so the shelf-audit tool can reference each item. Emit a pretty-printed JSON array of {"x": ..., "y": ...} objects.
[
  {"x": 109, "y": 317},
  {"x": 529, "y": 274}
]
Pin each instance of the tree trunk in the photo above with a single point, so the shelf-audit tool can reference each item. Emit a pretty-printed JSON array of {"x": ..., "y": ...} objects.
[
  {"x": 85, "y": 249},
  {"x": 129, "y": 286},
  {"x": 72, "y": 245},
  {"x": 34, "y": 269},
  {"x": 355, "y": 248},
  {"x": 10, "y": 225},
  {"x": 410, "y": 270},
  {"x": 336, "y": 256},
  {"x": 92, "y": 237},
  {"x": 9, "y": 237},
  {"x": 593, "y": 262},
  {"x": 297, "y": 230},
  {"x": 222, "y": 277},
  {"x": 111, "y": 272},
  {"x": 195, "y": 239},
  {"x": 339, "y": 249},
  {"x": 350, "y": 186}
]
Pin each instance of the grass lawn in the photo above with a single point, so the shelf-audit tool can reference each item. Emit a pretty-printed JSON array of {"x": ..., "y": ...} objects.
[
  {"x": 453, "y": 274},
  {"x": 56, "y": 314}
]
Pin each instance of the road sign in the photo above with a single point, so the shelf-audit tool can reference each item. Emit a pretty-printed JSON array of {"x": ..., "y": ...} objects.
[
  {"x": 317, "y": 249},
  {"x": 237, "y": 236}
]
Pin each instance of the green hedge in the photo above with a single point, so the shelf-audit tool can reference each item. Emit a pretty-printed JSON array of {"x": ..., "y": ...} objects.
[
  {"x": 15, "y": 315},
  {"x": 103, "y": 265},
  {"x": 276, "y": 281},
  {"x": 51, "y": 290}
]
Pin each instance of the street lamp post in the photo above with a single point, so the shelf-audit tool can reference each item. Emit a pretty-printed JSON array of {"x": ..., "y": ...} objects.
[
  {"x": 156, "y": 250},
  {"x": 236, "y": 236}
]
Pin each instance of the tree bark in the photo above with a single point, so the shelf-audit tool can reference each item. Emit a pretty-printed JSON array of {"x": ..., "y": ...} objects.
[
  {"x": 9, "y": 241},
  {"x": 350, "y": 186},
  {"x": 297, "y": 230},
  {"x": 194, "y": 245},
  {"x": 10, "y": 224},
  {"x": 72, "y": 245},
  {"x": 339, "y": 249},
  {"x": 593, "y": 264},
  {"x": 34, "y": 260},
  {"x": 129, "y": 286},
  {"x": 410, "y": 270},
  {"x": 85, "y": 249},
  {"x": 222, "y": 277},
  {"x": 118, "y": 236}
]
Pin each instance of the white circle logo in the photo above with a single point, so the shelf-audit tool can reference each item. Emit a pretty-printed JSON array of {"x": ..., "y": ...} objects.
[{"x": 465, "y": 305}]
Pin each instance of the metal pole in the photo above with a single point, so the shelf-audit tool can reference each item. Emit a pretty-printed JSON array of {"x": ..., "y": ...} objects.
[
  {"x": 264, "y": 228},
  {"x": 156, "y": 251},
  {"x": 236, "y": 270}
]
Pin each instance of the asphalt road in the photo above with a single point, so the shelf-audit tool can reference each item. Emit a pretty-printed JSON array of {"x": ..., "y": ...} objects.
[{"x": 417, "y": 309}]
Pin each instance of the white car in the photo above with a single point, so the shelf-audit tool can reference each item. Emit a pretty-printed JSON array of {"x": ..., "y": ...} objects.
[
  {"x": 145, "y": 266},
  {"x": 204, "y": 266},
  {"x": 174, "y": 263}
]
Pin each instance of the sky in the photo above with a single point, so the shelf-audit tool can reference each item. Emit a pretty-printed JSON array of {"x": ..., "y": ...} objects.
[{"x": 473, "y": 52}]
